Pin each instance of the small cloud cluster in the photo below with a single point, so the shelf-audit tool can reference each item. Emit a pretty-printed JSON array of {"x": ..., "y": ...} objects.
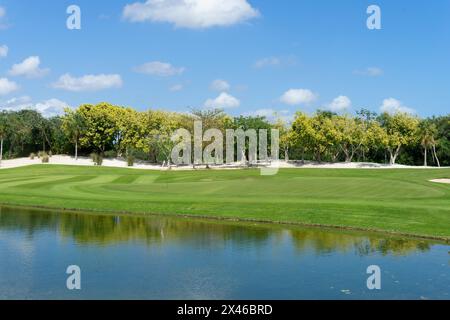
[
  {"x": 3, "y": 22},
  {"x": 274, "y": 62},
  {"x": 272, "y": 114},
  {"x": 7, "y": 86},
  {"x": 220, "y": 85},
  {"x": 267, "y": 62},
  {"x": 340, "y": 103},
  {"x": 370, "y": 72},
  {"x": 223, "y": 101},
  {"x": 192, "y": 14},
  {"x": 30, "y": 68},
  {"x": 176, "y": 87},
  {"x": 48, "y": 108},
  {"x": 4, "y": 51},
  {"x": 88, "y": 82},
  {"x": 295, "y": 97},
  {"x": 158, "y": 68},
  {"x": 392, "y": 106}
]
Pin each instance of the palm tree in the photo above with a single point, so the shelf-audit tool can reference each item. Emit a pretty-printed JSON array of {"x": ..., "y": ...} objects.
[
  {"x": 433, "y": 145},
  {"x": 427, "y": 133},
  {"x": 74, "y": 125}
]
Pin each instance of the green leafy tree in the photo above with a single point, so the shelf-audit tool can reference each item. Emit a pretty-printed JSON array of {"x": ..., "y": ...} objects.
[
  {"x": 158, "y": 129},
  {"x": 350, "y": 135},
  {"x": 401, "y": 129},
  {"x": 100, "y": 126},
  {"x": 302, "y": 134},
  {"x": 325, "y": 137}
]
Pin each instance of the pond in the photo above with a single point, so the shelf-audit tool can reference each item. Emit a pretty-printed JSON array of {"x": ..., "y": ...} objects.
[{"x": 154, "y": 257}]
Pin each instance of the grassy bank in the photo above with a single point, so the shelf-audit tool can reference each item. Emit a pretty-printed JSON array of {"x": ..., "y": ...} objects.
[{"x": 402, "y": 200}]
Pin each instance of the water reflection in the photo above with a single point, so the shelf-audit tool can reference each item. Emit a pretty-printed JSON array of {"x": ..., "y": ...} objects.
[{"x": 107, "y": 229}]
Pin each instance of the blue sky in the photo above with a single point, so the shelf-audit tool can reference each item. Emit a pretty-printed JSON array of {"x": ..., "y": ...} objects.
[{"x": 283, "y": 55}]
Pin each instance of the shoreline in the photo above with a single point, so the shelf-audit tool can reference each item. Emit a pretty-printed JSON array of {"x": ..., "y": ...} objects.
[{"x": 233, "y": 219}]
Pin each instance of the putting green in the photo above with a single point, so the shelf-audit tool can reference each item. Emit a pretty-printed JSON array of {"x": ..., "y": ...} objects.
[{"x": 400, "y": 200}]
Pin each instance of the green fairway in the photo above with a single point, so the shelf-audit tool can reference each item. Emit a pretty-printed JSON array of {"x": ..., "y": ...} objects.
[{"x": 400, "y": 200}]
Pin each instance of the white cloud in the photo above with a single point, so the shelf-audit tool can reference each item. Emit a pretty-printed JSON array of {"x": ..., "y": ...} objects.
[
  {"x": 340, "y": 103},
  {"x": 3, "y": 51},
  {"x": 193, "y": 14},
  {"x": 393, "y": 106},
  {"x": 275, "y": 62},
  {"x": 298, "y": 96},
  {"x": 223, "y": 101},
  {"x": 29, "y": 68},
  {"x": 6, "y": 86},
  {"x": 370, "y": 72},
  {"x": 3, "y": 23},
  {"x": 267, "y": 62},
  {"x": 52, "y": 107},
  {"x": 88, "y": 82},
  {"x": 17, "y": 103},
  {"x": 48, "y": 108},
  {"x": 272, "y": 114},
  {"x": 176, "y": 87},
  {"x": 157, "y": 68},
  {"x": 220, "y": 85}
]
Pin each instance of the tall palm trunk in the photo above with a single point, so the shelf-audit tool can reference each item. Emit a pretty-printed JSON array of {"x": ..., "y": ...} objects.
[
  {"x": 425, "y": 163},
  {"x": 435, "y": 156}
]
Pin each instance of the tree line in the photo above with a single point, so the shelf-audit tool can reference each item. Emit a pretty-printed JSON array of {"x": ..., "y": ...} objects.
[{"x": 115, "y": 131}]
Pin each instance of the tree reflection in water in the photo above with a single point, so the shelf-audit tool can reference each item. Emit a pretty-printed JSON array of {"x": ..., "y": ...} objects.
[{"x": 109, "y": 229}]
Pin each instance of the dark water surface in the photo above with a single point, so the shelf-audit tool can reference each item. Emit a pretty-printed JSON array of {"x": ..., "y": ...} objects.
[{"x": 134, "y": 257}]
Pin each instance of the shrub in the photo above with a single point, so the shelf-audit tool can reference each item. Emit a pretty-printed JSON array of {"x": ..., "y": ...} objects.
[
  {"x": 139, "y": 154},
  {"x": 110, "y": 154},
  {"x": 130, "y": 160},
  {"x": 32, "y": 156},
  {"x": 45, "y": 158},
  {"x": 97, "y": 159}
]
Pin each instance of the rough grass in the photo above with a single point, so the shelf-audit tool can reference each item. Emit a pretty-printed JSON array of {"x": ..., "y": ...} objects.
[{"x": 402, "y": 200}]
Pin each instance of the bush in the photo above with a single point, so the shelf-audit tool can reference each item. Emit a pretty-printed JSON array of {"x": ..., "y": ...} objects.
[
  {"x": 45, "y": 157},
  {"x": 111, "y": 154},
  {"x": 50, "y": 154},
  {"x": 139, "y": 154},
  {"x": 32, "y": 156},
  {"x": 130, "y": 160},
  {"x": 97, "y": 159}
]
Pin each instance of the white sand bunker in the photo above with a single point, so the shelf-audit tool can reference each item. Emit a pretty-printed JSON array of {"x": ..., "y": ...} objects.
[{"x": 447, "y": 181}]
